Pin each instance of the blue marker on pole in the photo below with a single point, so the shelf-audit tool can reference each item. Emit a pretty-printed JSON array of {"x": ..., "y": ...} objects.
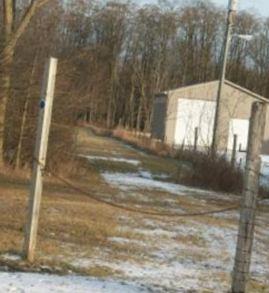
[{"x": 42, "y": 104}]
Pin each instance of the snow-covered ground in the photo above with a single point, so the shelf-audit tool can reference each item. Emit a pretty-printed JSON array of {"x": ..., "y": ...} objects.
[
  {"x": 181, "y": 257},
  {"x": 112, "y": 159},
  {"x": 178, "y": 255},
  {"x": 41, "y": 283},
  {"x": 144, "y": 180},
  {"x": 188, "y": 256}
]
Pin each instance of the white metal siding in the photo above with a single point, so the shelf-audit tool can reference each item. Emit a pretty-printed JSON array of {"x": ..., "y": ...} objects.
[
  {"x": 240, "y": 128},
  {"x": 192, "y": 114}
]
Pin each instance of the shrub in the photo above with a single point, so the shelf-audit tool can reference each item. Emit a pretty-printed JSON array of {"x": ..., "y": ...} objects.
[{"x": 204, "y": 170}]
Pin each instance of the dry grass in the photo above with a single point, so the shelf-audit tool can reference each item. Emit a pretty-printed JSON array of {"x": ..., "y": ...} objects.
[
  {"x": 99, "y": 146},
  {"x": 143, "y": 141},
  {"x": 68, "y": 221}
]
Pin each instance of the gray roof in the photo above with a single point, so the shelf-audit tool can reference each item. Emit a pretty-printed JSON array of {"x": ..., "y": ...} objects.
[
  {"x": 227, "y": 82},
  {"x": 242, "y": 89}
]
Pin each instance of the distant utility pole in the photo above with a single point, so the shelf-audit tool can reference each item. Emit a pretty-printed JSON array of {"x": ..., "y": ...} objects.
[
  {"x": 249, "y": 199},
  {"x": 44, "y": 121},
  {"x": 232, "y": 8}
]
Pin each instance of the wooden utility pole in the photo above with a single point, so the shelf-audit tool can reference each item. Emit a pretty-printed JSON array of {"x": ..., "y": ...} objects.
[
  {"x": 227, "y": 41},
  {"x": 44, "y": 121},
  {"x": 249, "y": 200}
]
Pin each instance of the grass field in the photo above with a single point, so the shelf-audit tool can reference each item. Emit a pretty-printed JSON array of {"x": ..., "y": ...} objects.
[{"x": 80, "y": 235}]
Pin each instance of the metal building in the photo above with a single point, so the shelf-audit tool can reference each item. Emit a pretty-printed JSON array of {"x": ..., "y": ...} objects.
[{"x": 179, "y": 113}]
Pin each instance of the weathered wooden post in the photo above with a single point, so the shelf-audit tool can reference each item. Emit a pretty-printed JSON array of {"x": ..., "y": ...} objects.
[
  {"x": 248, "y": 205},
  {"x": 234, "y": 151},
  {"x": 44, "y": 121}
]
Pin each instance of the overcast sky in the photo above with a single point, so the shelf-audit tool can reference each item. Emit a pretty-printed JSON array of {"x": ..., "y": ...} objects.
[{"x": 258, "y": 6}]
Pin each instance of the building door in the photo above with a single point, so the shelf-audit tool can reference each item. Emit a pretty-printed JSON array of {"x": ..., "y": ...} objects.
[
  {"x": 240, "y": 128},
  {"x": 192, "y": 114}
]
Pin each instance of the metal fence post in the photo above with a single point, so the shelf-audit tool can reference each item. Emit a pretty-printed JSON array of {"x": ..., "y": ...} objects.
[{"x": 233, "y": 159}]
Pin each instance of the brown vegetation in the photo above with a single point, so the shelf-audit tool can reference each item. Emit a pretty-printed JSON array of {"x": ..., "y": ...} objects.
[
  {"x": 194, "y": 167},
  {"x": 205, "y": 170},
  {"x": 143, "y": 141}
]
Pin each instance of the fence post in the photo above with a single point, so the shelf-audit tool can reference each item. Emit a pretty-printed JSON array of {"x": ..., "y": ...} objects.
[
  {"x": 44, "y": 120},
  {"x": 196, "y": 135},
  {"x": 249, "y": 199},
  {"x": 233, "y": 159}
]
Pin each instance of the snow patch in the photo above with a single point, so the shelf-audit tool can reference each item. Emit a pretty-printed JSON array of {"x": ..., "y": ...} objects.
[
  {"x": 112, "y": 159},
  {"x": 37, "y": 283},
  {"x": 265, "y": 202},
  {"x": 149, "y": 175},
  {"x": 122, "y": 240},
  {"x": 134, "y": 181},
  {"x": 12, "y": 257}
]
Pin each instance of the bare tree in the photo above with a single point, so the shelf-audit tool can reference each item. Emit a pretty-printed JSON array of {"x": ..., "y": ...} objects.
[
  {"x": 114, "y": 57},
  {"x": 13, "y": 29}
]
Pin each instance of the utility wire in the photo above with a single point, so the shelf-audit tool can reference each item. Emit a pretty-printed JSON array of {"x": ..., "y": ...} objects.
[{"x": 67, "y": 183}]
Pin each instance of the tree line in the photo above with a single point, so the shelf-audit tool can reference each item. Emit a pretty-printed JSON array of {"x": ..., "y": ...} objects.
[{"x": 114, "y": 56}]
